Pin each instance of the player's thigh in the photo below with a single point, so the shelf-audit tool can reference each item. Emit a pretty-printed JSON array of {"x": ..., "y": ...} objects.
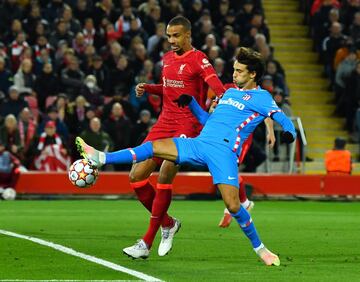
[
  {"x": 167, "y": 172},
  {"x": 141, "y": 171},
  {"x": 165, "y": 149},
  {"x": 222, "y": 164},
  {"x": 230, "y": 195}
]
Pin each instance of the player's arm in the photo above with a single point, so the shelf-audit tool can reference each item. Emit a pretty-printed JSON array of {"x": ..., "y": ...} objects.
[
  {"x": 289, "y": 133},
  {"x": 154, "y": 89},
  {"x": 188, "y": 100},
  {"x": 270, "y": 132},
  {"x": 208, "y": 74}
]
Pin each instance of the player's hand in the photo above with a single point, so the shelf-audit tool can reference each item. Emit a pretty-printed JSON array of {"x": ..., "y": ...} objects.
[
  {"x": 183, "y": 100},
  {"x": 271, "y": 139},
  {"x": 287, "y": 137},
  {"x": 140, "y": 89}
]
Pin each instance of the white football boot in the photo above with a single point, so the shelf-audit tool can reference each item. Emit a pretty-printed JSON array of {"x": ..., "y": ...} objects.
[
  {"x": 167, "y": 237},
  {"x": 138, "y": 250}
]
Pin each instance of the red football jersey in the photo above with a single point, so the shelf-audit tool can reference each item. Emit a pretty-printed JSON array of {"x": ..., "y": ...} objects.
[{"x": 190, "y": 74}]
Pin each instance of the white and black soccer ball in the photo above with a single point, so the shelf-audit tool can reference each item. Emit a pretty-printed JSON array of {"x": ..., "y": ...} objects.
[
  {"x": 8, "y": 194},
  {"x": 82, "y": 174}
]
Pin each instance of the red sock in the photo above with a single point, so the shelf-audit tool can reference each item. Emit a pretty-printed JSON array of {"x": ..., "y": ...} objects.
[
  {"x": 145, "y": 192},
  {"x": 242, "y": 190},
  {"x": 161, "y": 204}
]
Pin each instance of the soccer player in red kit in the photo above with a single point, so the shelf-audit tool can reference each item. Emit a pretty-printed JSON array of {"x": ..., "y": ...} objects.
[{"x": 185, "y": 70}]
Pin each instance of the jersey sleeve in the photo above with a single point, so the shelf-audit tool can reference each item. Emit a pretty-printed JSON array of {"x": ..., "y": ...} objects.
[
  {"x": 208, "y": 74},
  {"x": 201, "y": 115},
  {"x": 265, "y": 105},
  {"x": 155, "y": 89}
]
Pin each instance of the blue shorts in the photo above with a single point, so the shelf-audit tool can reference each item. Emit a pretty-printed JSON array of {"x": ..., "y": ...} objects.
[{"x": 218, "y": 158}]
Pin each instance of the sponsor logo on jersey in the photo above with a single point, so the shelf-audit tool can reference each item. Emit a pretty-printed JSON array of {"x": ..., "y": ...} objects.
[
  {"x": 173, "y": 83},
  {"x": 205, "y": 63},
  {"x": 181, "y": 68},
  {"x": 233, "y": 103}
]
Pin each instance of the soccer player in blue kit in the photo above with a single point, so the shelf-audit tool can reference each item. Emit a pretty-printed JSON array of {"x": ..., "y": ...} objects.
[{"x": 218, "y": 145}]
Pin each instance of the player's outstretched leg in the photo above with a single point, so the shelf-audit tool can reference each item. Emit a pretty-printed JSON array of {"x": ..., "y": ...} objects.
[
  {"x": 125, "y": 156},
  {"x": 95, "y": 157}
]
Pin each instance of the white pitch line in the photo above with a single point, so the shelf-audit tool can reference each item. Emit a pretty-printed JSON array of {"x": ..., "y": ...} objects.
[{"x": 72, "y": 252}]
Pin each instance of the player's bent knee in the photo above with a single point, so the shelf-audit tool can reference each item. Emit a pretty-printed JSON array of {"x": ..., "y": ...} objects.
[{"x": 233, "y": 207}]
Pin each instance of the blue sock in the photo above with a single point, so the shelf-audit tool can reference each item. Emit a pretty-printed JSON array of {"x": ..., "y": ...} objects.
[
  {"x": 132, "y": 155},
  {"x": 244, "y": 220}
]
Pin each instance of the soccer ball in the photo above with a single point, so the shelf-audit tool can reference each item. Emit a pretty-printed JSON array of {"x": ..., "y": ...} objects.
[
  {"x": 82, "y": 174},
  {"x": 8, "y": 194}
]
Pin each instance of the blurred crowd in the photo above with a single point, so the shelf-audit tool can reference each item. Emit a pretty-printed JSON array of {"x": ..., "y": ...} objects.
[
  {"x": 335, "y": 28},
  {"x": 70, "y": 67}
]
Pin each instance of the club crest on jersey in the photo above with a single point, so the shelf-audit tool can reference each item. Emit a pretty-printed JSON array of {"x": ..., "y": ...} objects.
[
  {"x": 246, "y": 97},
  {"x": 181, "y": 68}
]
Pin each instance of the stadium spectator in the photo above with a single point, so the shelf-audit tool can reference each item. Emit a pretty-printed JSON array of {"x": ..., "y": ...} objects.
[
  {"x": 114, "y": 53},
  {"x": 10, "y": 137},
  {"x": 13, "y": 104},
  {"x": 9, "y": 11},
  {"x": 24, "y": 79},
  {"x": 9, "y": 168},
  {"x": 135, "y": 31},
  {"x": 78, "y": 120},
  {"x": 151, "y": 20},
  {"x": 61, "y": 33},
  {"x": 171, "y": 9},
  {"x": 47, "y": 84},
  {"x": 342, "y": 75},
  {"x": 72, "y": 24},
  {"x": 5, "y": 77},
  {"x": 155, "y": 39},
  {"x": 82, "y": 11},
  {"x": 52, "y": 115},
  {"x": 27, "y": 128},
  {"x": 355, "y": 28},
  {"x": 330, "y": 45},
  {"x": 102, "y": 75},
  {"x": 53, "y": 10},
  {"x": 219, "y": 11},
  {"x": 16, "y": 28},
  {"x": 277, "y": 78},
  {"x": 51, "y": 152},
  {"x": 141, "y": 126},
  {"x": 338, "y": 160},
  {"x": 72, "y": 78},
  {"x": 119, "y": 128},
  {"x": 121, "y": 77},
  {"x": 92, "y": 92},
  {"x": 17, "y": 48},
  {"x": 352, "y": 97},
  {"x": 31, "y": 20},
  {"x": 96, "y": 136}
]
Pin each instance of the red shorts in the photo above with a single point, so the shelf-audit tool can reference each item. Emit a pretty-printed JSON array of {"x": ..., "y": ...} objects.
[
  {"x": 245, "y": 148},
  {"x": 161, "y": 131}
]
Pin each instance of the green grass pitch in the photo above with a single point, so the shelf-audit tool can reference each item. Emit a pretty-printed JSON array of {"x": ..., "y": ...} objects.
[{"x": 316, "y": 241}]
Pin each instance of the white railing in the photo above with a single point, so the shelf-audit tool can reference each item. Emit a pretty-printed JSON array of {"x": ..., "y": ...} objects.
[{"x": 292, "y": 151}]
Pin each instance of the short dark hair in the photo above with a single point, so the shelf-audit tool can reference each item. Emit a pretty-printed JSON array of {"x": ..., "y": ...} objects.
[
  {"x": 253, "y": 60},
  {"x": 181, "y": 20}
]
